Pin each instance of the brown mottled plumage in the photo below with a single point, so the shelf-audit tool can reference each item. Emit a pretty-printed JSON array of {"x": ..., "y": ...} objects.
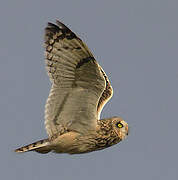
[{"x": 80, "y": 89}]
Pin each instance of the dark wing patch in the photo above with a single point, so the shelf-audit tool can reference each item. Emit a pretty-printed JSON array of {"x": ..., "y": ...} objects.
[{"x": 85, "y": 60}]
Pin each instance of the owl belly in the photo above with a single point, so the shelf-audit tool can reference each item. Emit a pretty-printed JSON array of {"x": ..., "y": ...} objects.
[{"x": 75, "y": 143}]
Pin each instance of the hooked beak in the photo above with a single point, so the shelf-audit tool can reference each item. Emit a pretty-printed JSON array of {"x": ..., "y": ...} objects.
[{"x": 127, "y": 130}]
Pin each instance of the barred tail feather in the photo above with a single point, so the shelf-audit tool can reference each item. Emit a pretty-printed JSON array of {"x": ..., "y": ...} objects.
[{"x": 42, "y": 146}]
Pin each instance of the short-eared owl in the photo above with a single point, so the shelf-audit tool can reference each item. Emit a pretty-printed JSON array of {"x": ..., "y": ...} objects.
[{"x": 80, "y": 89}]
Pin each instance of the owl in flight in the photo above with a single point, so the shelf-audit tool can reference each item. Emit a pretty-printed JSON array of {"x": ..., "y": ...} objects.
[{"x": 80, "y": 89}]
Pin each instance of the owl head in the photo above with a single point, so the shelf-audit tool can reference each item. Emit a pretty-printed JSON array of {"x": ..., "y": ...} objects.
[{"x": 120, "y": 127}]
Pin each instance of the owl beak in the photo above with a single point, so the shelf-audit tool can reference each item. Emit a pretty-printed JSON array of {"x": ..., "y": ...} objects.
[{"x": 127, "y": 130}]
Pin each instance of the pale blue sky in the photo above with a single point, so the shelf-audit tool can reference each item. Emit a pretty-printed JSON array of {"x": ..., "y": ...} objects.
[{"x": 136, "y": 43}]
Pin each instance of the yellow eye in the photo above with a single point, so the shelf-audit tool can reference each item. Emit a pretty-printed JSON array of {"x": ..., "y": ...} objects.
[{"x": 119, "y": 125}]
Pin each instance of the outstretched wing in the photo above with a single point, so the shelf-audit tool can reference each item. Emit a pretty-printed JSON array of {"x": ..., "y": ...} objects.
[
  {"x": 106, "y": 95},
  {"x": 77, "y": 82}
]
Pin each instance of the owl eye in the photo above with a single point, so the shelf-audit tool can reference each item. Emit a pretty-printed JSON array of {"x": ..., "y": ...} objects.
[{"x": 119, "y": 125}]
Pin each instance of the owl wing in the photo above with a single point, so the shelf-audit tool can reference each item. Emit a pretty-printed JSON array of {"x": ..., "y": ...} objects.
[
  {"x": 78, "y": 82},
  {"x": 106, "y": 95}
]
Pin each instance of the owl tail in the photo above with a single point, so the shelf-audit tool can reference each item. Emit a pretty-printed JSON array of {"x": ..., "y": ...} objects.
[{"x": 42, "y": 146}]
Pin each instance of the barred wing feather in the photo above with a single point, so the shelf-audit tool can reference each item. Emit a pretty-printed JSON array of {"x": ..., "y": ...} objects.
[{"x": 79, "y": 85}]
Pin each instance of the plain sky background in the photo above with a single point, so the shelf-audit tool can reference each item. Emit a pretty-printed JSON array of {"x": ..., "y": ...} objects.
[{"x": 136, "y": 43}]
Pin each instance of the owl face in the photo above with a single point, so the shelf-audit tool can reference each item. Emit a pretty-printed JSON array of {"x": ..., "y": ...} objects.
[{"x": 120, "y": 127}]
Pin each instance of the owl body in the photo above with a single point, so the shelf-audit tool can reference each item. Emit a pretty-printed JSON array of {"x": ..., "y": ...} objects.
[
  {"x": 80, "y": 89},
  {"x": 105, "y": 136}
]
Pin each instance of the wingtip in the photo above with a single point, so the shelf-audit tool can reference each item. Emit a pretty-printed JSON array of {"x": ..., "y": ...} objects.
[
  {"x": 52, "y": 25},
  {"x": 62, "y": 26},
  {"x": 57, "y": 26}
]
